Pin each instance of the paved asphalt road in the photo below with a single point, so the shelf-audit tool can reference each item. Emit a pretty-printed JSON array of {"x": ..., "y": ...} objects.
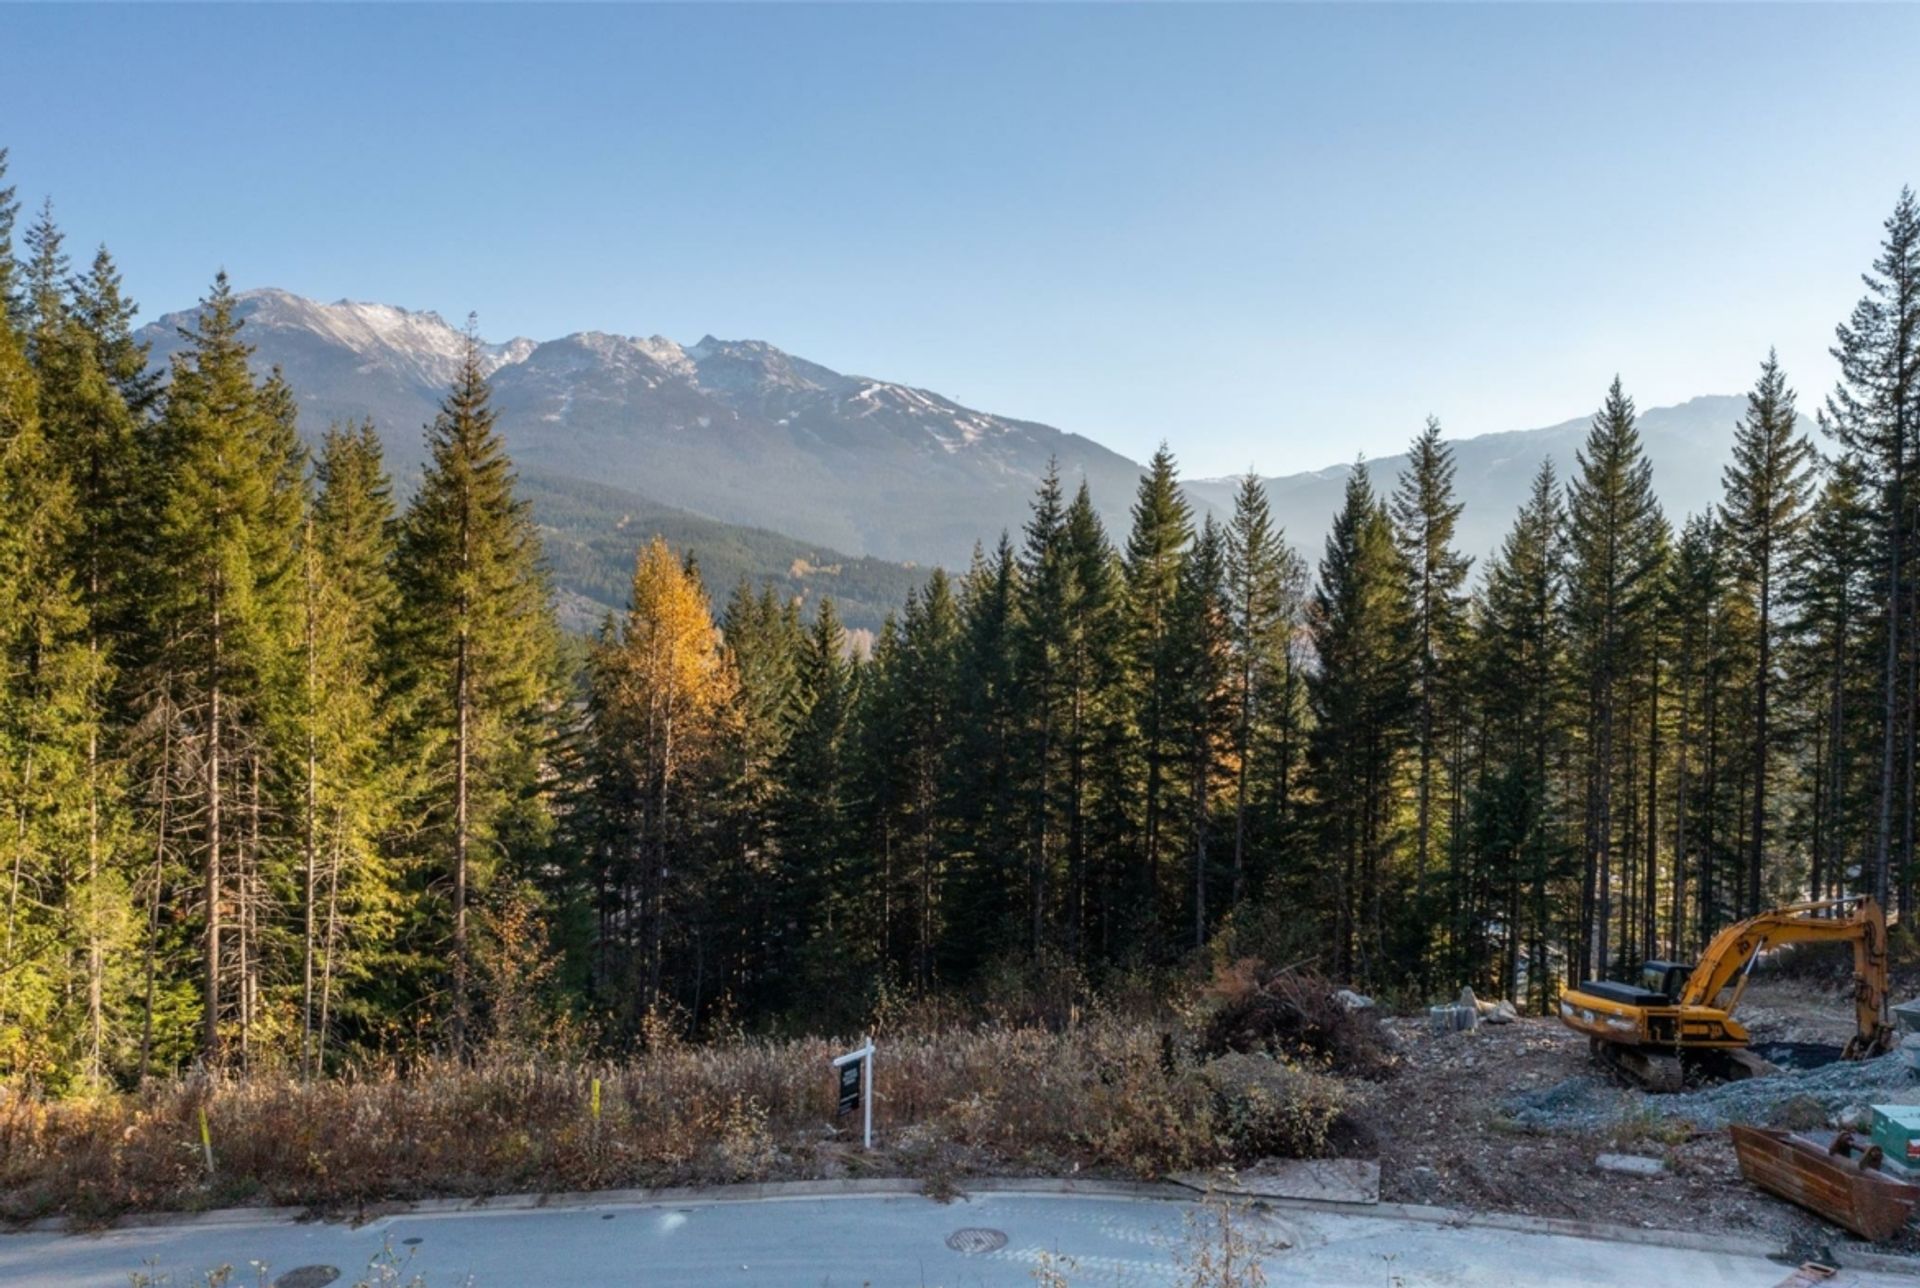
[{"x": 887, "y": 1242}]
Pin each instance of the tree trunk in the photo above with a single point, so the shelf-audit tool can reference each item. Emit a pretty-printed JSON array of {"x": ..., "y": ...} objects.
[
  {"x": 326, "y": 963},
  {"x": 1756, "y": 855},
  {"x": 210, "y": 1021},
  {"x": 1896, "y": 538},
  {"x": 310, "y": 854},
  {"x": 159, "y": 876},
  {"x": 461, "y": 719},
  {"x": 1243, "y": 745},
  {"x": 1200, "y": 852},
  {"x": 19, "y": 863}
]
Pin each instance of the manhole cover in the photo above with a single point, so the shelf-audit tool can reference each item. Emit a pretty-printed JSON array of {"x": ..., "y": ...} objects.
[
  {"x": 308, "y": 1277},
  {"x": 974, "y": 1241}
]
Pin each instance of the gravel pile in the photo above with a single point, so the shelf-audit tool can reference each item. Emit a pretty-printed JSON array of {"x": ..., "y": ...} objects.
[
  {"x": 1593, "y": 1103},
  {"x": 1583, "y": 1103}
]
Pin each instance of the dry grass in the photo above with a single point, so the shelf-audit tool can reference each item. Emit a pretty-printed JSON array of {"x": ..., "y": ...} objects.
[{"x": 1106, "y": 1096}]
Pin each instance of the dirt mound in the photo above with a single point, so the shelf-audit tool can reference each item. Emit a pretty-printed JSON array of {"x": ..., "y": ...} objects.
[{"x": 1295, "y": 1013}]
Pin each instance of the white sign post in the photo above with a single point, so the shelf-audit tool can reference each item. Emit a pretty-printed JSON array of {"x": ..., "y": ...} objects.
[{"x": 856, "y": 1088}]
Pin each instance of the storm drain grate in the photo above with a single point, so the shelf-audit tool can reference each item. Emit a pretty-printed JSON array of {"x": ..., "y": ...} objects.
[
  {"x": 975, "y": 1240},
  {"x": 308, "y": 1277}
]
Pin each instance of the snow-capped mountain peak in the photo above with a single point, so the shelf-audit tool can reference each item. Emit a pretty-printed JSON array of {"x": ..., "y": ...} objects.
[{"x": 420, "y": 345}]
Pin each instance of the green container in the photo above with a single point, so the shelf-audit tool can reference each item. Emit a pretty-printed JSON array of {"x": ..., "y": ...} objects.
[{"x": 1896, "y": 1130}]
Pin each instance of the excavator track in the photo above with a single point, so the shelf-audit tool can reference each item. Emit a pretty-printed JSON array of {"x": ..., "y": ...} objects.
[
  {"x": 1653, "y": 1071},
  {"x": 1663, "y": 1072}
]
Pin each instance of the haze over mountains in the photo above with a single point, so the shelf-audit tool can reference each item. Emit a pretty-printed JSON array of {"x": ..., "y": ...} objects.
[
  {"x": 1689, "y": 446},
  {"x": 845, "y": 477}
]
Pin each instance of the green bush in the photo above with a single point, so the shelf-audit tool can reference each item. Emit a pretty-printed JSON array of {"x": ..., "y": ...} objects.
[{"x": 1274, "y": 1108}]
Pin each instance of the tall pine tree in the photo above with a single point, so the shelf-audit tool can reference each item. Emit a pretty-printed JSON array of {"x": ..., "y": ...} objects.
[
  {"x": 1767, "y": 485},
  {"x": 476, "y": 657},
  {"x": 1614, "y": 532},
  {"x": 1874, "y": 412}
]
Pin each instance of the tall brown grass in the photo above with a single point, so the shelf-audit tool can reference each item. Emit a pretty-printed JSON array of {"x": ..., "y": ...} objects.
[{"x": 1104, "y": 1096}]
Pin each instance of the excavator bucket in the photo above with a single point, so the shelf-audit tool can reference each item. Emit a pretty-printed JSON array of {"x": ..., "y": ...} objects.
[{"x": 1837, "y": 1181}]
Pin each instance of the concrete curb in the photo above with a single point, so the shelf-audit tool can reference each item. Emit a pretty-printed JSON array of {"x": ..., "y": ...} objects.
[
  {"x": 761, "y": 1192},
  {"x": 1851, "y": 1255}
]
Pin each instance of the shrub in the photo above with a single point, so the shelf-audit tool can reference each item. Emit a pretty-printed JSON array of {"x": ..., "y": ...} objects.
[{"x": 1269, "y": 1107}]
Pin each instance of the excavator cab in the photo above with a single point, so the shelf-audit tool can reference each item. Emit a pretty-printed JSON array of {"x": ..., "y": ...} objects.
[{"x": 1667, "y": 978}]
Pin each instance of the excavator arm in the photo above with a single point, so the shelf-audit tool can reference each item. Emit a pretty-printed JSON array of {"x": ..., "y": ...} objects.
[{"x": 1857, "y": 920}]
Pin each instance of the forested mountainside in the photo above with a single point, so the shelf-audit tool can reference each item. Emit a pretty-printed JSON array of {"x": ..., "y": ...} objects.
[{"x": 591, "y": 531}]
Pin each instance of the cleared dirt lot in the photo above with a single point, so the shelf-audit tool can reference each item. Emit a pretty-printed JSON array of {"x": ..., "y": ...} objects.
[{"x": 1453, "y": 1127}]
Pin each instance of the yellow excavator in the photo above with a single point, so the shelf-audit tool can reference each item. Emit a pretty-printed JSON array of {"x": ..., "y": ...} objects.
[{"x": 1671, "y": 1028}]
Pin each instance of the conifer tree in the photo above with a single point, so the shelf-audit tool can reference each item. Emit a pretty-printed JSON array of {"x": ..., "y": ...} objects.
[
  {"x": 1615, "y": 540},
  {"x": 1067, "y": 633},
  {"x": 826, "y": 886},
  {"x": 882, "y": 807},
  {"x": 44, "y": 288},
  {"x": 1049, "y": 605},
  {"x": 1162, "y": 528},
  {"x": 224, "y": 603},
  {"x": 1362, "y": 698},
  {"x": 762, "y": 637},
  {"x": 90, "y": 438},
  {"x": 1696, "y": 601},
  {"x": 929, "y": 660},
  {"x": 1765, "y": 508},
  {"x": 1874, "y": 412},
  {"x": 1095, "y": 719},
  {"x": 1521, "y": 663},
  {"x": 987, "y": 778},
  {"x": 1829, "y": 588},
  {"x": 476, "y": 653},
  {"x": 349, "y": 891},
  {"x": 1425, "y": 516},
  {"x": 1202, "y": 708},
  {"x": 1265, "y": 582},
  {"x": 54, "y": 900},
  {"x": 12, "y": 302},
  {"x": 102, "y": 307}
]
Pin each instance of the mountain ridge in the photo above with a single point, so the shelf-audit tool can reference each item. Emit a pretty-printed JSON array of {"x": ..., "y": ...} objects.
[
  {"x": 736, "y": 430},
  {"x": 741, "y": 432}
]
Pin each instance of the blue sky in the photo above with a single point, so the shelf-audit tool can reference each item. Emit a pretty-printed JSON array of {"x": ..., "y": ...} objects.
[{"x": 1270, "y": 235}]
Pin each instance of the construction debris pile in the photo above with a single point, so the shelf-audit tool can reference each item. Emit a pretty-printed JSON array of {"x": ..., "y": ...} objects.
[{"x": 1297, "y": 1014}]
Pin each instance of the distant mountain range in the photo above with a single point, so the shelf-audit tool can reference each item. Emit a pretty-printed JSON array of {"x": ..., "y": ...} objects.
[
  {"x": 775, "y": 467},
  {"x": 1689, "y": 446},
  {"x": 736, "y": 430}
]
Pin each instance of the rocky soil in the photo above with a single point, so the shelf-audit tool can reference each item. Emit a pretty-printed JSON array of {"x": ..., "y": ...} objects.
[{"x": 1513, "y": 1117}]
